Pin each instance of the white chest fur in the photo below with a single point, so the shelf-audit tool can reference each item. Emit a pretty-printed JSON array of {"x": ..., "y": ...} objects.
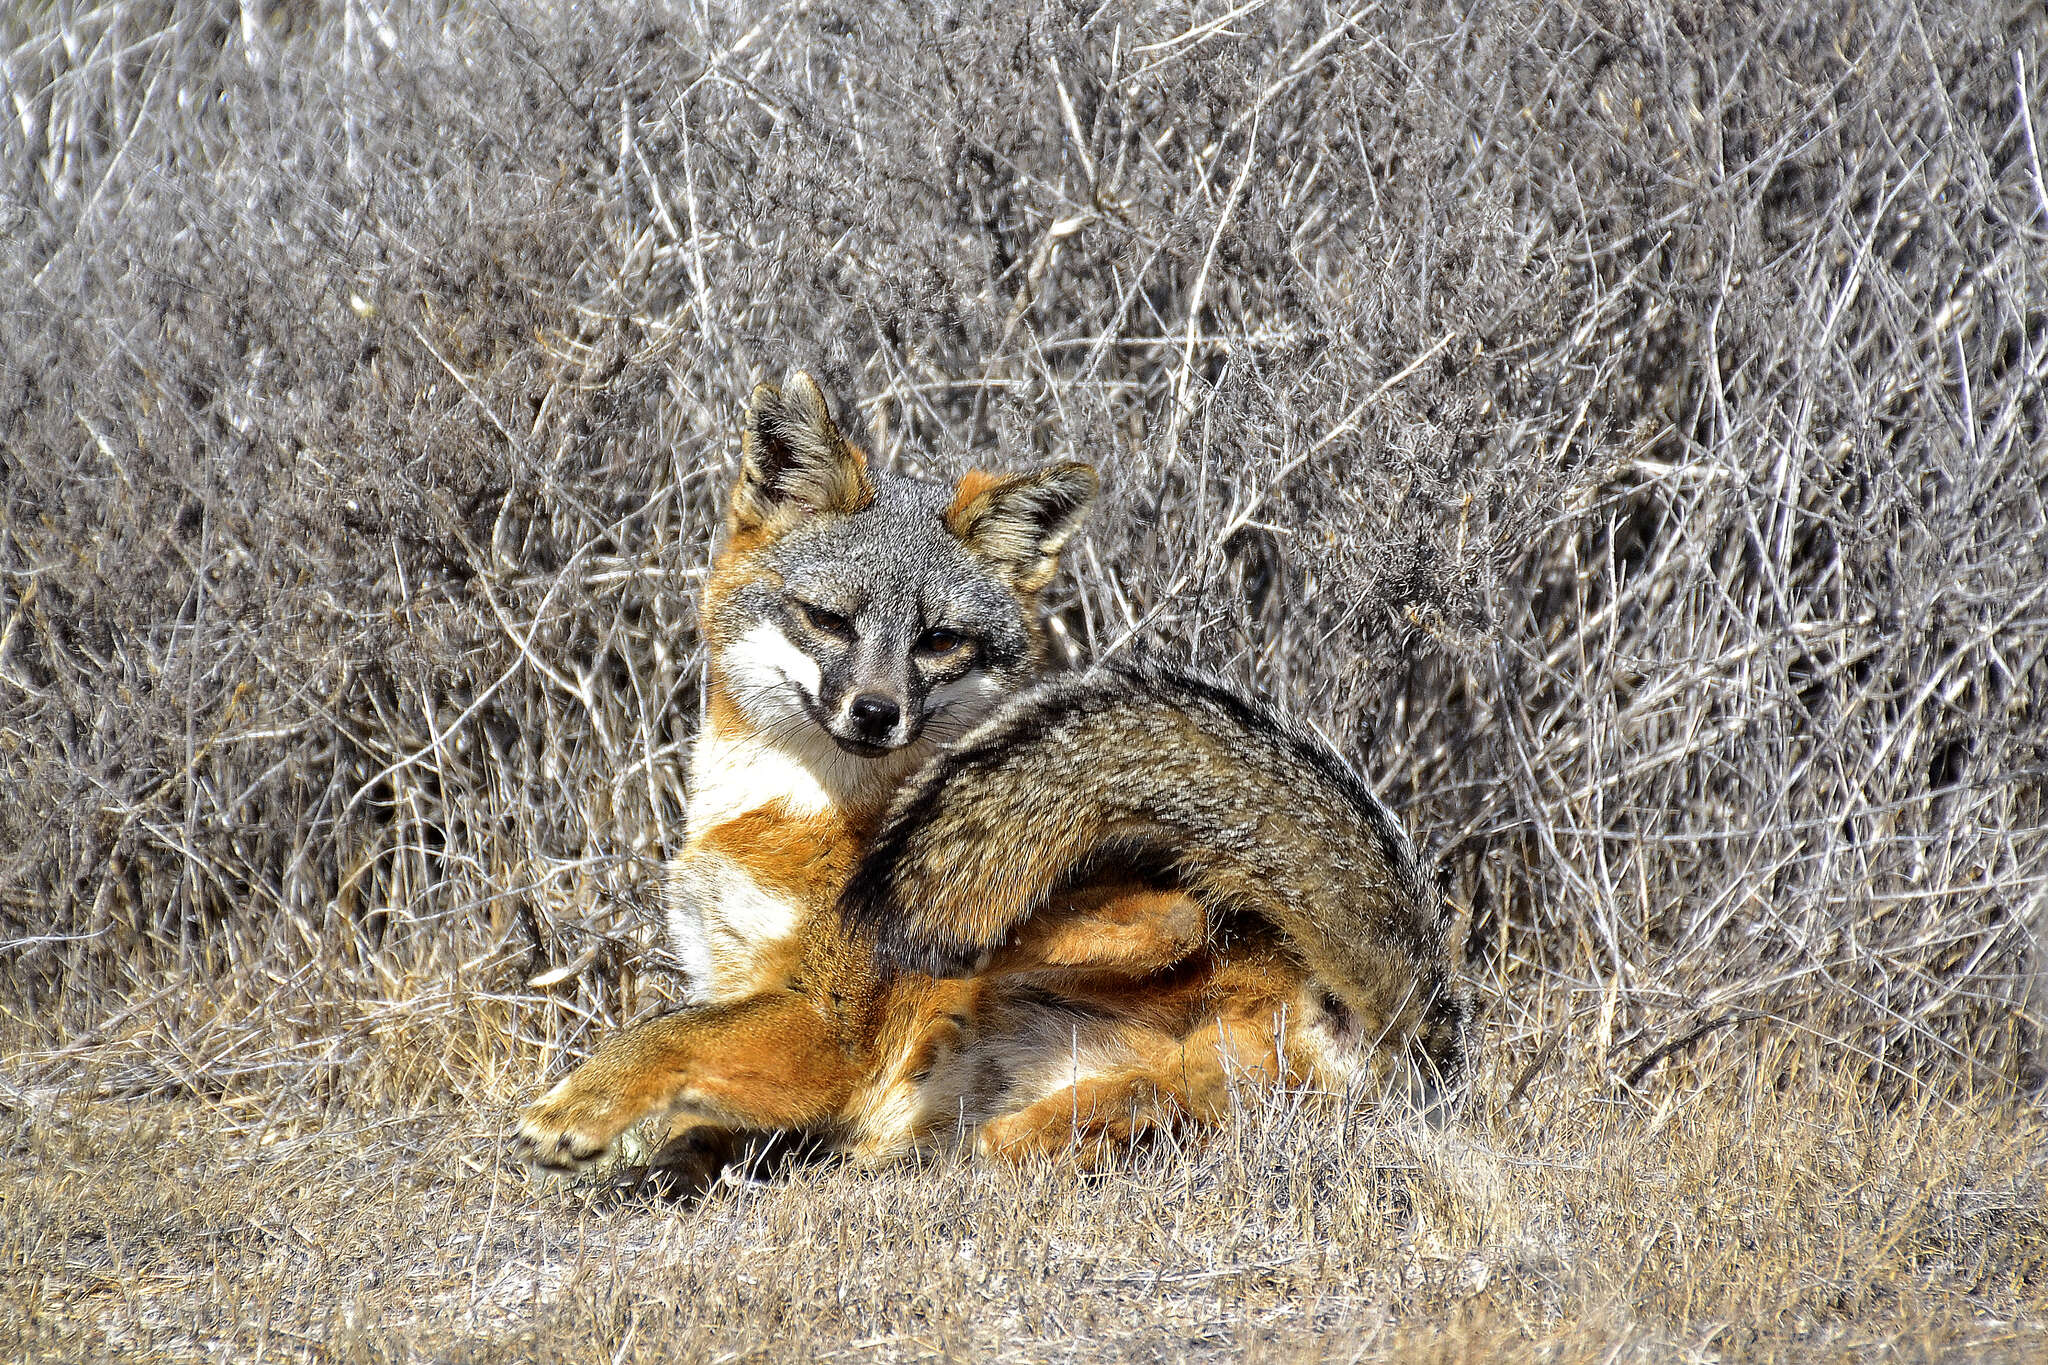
[
  {"x": 723, "y": 921},
  {"x": 808, "y": 773},
  {"x": 724, "y": 924}
]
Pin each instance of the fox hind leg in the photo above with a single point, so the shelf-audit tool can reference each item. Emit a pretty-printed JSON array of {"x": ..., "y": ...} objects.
[
  {"x": 1111, "y": 928},
  {"x": 1083, "y": 1122},
  {"x": 1125, "y": 1084},
  {"x": 1166, "y": 1081}
]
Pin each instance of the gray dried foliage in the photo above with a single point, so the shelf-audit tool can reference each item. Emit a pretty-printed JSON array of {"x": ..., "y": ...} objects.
[{"x": 1619, "y": 427}]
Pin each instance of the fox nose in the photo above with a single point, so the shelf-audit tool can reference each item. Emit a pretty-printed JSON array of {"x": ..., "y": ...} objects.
[{"x": 874, "y": 716}]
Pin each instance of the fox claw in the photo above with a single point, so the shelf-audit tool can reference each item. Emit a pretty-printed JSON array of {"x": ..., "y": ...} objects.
[
  {"x": 563, "y": 1131},
  {"x": 556, "y": 1150}
]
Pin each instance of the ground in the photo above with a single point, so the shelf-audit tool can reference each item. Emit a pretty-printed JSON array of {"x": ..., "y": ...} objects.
[{"x": 1752, "y": 1204}]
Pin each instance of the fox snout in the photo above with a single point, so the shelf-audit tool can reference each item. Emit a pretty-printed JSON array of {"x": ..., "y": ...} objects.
[
  {"x": 872, "y": 722},
  {"x": 874, "y": 716}
]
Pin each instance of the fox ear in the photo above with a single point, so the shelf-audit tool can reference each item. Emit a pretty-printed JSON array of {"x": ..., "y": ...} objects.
[
  {"x": 793, "y": 459},
  {"x": 1020, "y": 522}
]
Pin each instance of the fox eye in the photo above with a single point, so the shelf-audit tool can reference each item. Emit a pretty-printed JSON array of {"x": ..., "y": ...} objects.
[
  {"x": 941, "y": 641},
  {"x": 827, "y": 622}
]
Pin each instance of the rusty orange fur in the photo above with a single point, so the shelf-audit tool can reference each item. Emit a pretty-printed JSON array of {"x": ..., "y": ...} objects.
[{"x": 1099, "y": 1010}]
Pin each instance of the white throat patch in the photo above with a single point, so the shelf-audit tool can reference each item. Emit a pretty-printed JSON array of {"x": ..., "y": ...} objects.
[
  {"x": 768, "y": 675},
  {"x": 783, "y": 755}
]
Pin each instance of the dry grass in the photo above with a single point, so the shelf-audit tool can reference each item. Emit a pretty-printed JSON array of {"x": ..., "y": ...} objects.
[
  {"x": 1622, "y": 429},
  {"x": 1755, "y": 1206}
]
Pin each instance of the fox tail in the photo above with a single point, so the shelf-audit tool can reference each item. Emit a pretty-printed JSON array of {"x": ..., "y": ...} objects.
[{"x": 1253, "y": 814}]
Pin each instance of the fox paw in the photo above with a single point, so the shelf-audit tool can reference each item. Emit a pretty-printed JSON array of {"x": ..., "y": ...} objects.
[
  {"x": 568, "y": 1129},
  {"x": 1030, "y": 1137}
]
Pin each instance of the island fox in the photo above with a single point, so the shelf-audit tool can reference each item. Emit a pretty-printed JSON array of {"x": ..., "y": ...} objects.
[{"x": 924, "y": 901}]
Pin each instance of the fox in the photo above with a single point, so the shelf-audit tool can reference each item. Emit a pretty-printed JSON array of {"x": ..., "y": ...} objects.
[{"x": 931, "y": 893}]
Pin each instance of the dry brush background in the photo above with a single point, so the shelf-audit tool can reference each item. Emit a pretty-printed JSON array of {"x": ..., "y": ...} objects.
[{"x": 1620, "y": 428}]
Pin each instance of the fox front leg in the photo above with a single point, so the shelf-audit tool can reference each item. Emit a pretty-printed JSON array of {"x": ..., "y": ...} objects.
[
  {"x": 576, "y": 1123},
  {"x": 769, "y": 1063}
]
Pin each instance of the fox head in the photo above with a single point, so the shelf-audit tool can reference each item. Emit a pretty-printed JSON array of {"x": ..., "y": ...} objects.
[{"x": 871, "y": 608}]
